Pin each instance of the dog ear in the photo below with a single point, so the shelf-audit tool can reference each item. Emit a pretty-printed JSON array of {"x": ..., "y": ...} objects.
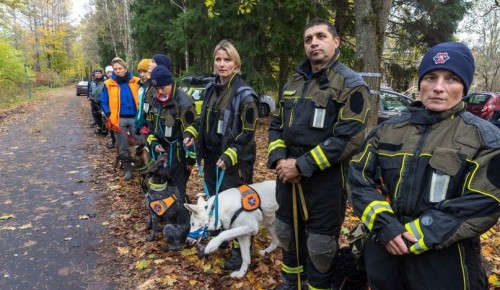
[{"x": 191, "y": 207}]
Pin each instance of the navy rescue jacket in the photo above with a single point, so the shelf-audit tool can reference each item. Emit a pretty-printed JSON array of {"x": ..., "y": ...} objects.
[
  {"x": 321, "y": 119},
  {"x": 433, "y": 174}
]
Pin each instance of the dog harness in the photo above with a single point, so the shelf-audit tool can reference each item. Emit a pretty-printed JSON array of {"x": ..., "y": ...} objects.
[
  {"x": 161, "y": 206},
  {"x": 250, "y": 201}
]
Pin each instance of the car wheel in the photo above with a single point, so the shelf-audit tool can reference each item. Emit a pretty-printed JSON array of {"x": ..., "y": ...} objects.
[{"x": 264, "y": 110}]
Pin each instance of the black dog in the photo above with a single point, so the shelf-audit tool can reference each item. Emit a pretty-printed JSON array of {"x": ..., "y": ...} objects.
[
  {"x": 349, "y": 274},
  {"x": 166, "y": 205}
]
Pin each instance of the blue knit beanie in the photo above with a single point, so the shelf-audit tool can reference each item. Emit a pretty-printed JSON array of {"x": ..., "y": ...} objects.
[
  {"x": 452, "y": 56},
  {"x": 161, "y": 76},
  {"x": 163, "y": 60}
]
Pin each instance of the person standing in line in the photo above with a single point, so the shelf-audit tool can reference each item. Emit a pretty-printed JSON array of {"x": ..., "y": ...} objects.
[
  {"x": 119, "y": 100},
  {"x": 320, "y": 125},
  {"x": 225, "y": 130},
  {"x": 109, "y": 72},
  {"x": 144, "y": 87},
  {"x": 440, "y": 167},
  {"x": 95, "y": 100},
  {"x": 172, "y": 111}
]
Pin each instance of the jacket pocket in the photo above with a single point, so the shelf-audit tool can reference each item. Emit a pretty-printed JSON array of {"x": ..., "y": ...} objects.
[{"x": 445, "y": 164}]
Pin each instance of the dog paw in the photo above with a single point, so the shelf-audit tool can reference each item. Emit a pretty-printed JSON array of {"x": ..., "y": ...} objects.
[
  {"x": 211, "y": 247},
  {"x": 238, "y": 274}
]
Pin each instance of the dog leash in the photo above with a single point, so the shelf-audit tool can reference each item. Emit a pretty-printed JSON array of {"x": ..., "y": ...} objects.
[
  {"x": 305, "y": 217},
  {"x": 217, "y": 188},
  {"x": 192, "y": 154}
]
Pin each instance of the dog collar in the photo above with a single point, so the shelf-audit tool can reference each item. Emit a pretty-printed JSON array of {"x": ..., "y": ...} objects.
[{"x": 157, "y": 186}]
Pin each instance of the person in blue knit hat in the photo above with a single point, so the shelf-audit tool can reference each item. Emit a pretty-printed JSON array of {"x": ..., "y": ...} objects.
[
  {"x": 426, "y": 185},
  {"x": 172, "y": 111}
]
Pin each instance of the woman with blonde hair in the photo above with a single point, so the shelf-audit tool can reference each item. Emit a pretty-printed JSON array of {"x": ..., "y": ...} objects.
[{"x": 225, "y": 130}]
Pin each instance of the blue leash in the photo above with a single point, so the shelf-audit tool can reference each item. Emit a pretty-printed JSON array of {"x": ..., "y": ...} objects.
[
  {"x": 217, "y": 188},
  {"x": 192, "y": 154}
]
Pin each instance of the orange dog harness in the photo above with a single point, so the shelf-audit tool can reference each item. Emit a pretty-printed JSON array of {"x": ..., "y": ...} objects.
[{"x": 161, "y": 206}]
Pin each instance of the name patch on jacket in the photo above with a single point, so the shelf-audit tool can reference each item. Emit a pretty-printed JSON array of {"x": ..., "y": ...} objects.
[
  {"x": 162, "y": 205},
  {"x": 250, "y": 199}
]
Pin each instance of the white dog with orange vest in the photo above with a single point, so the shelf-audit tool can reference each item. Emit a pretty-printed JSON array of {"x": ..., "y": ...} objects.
[{"x": 240, "y": 214}]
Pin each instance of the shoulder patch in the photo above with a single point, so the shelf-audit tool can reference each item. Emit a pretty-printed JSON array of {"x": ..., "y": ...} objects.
[
  {"x": 489, "y": 132},
  {"x": 250, "y": 199},
  {"x": 356, "y": 102},
  {"x": 493, "y": 170}
]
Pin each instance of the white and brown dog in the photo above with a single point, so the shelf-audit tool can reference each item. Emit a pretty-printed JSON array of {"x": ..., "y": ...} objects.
[{"x": 240, "y": 214}]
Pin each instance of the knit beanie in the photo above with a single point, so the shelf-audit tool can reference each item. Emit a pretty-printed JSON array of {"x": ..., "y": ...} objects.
[
  {"x": 143, "y": 64},
  {"x": 163, "y": 60},
  {"x": 161, "y": 76},
  {"x": 108, "y": 68},
  {"x": 451, "y": 56}
]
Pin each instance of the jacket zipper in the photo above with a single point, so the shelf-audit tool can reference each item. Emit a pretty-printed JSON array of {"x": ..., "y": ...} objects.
[{"x": 418, "y": 150}]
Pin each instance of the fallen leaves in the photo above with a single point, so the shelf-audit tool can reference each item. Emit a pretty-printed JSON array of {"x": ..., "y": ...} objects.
[{"x": 7, "y": 216}]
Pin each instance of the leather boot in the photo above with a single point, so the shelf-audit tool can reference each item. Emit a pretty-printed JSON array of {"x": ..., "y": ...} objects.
[
  {"x": 128, "y": 170},
  {"x": 234, "y": 263}
]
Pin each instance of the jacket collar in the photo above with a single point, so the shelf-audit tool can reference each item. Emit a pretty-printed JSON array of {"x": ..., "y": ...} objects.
[{"x": 422, "y": 116}]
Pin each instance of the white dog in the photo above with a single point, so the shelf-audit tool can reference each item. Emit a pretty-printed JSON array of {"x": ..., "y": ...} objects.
[{"x": 240, "y": 226}]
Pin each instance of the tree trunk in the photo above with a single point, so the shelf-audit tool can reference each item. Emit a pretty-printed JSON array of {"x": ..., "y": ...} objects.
[{"x": 371, "y": 20}]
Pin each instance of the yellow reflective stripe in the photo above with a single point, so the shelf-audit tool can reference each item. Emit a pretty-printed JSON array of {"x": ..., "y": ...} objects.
[
  {"x": 292, "y": 270},
  {"x": 320, "y": 158},
  {"x": 231, "y": 153},
  {"x": 289, "y": 93},
  {"x": 462, "y": 265},
  {"x": 415, "y": 229},
  {"x": 278, "y": 143},
  {"x": 372, "y": 210},
  {"x": 191, "y": 130},
  {"x": 151, "y": 139},
  {"x": 314, "y": 288}
]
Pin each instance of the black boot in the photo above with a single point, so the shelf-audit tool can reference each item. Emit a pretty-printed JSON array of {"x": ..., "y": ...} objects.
[{"x": 234, "y": 263}]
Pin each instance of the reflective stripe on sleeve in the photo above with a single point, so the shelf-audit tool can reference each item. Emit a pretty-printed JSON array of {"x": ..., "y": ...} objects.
[
  {"x": 231, "y": 153},
  {"x": 278, "y": 143},
  {"x": 191, "y": 130},
  {"x": 320, "y": 158},
  {"x": 372, "y": 210}
]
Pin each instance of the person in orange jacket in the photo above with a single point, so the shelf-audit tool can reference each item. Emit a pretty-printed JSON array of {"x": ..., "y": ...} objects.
[{"x": 119, "y": 99}]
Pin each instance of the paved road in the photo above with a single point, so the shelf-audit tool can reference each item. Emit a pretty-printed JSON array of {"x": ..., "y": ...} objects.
[{"x": 48, "y": 220}]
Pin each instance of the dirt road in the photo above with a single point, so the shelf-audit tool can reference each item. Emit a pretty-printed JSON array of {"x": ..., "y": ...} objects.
[{"x": 49, "y": 225}]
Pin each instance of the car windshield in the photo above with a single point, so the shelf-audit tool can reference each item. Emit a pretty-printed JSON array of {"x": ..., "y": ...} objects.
[
  {"x": 477, "y": 99},
  {"x": 394, "y": 103}
]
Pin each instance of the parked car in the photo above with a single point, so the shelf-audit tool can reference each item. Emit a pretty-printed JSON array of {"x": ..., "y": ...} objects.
[
  {"x": 82, "y": 88},
  {"x": 392, "y": 104},
  {"x": 483, "y": 104},
  {"x": 194, "y": 85}
]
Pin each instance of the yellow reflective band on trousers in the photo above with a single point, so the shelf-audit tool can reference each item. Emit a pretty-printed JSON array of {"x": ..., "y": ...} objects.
[
  {"x": 372, "y": 210},
  {"x": 292, "y": 270},
  {"x": 278, "y": 143},
  {"x": 314, "y": 288},
  {"x": 415, "y": 229},
  {"x": 232, "y": 154},
  {"x": 191, "y": 130},
  {"x": 320, "y": 158}
]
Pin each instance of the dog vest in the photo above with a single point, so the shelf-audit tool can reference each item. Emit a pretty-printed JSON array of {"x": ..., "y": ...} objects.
[
  {"x": 250, "y": 201},
  {"x": 161, "y": 206}
]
